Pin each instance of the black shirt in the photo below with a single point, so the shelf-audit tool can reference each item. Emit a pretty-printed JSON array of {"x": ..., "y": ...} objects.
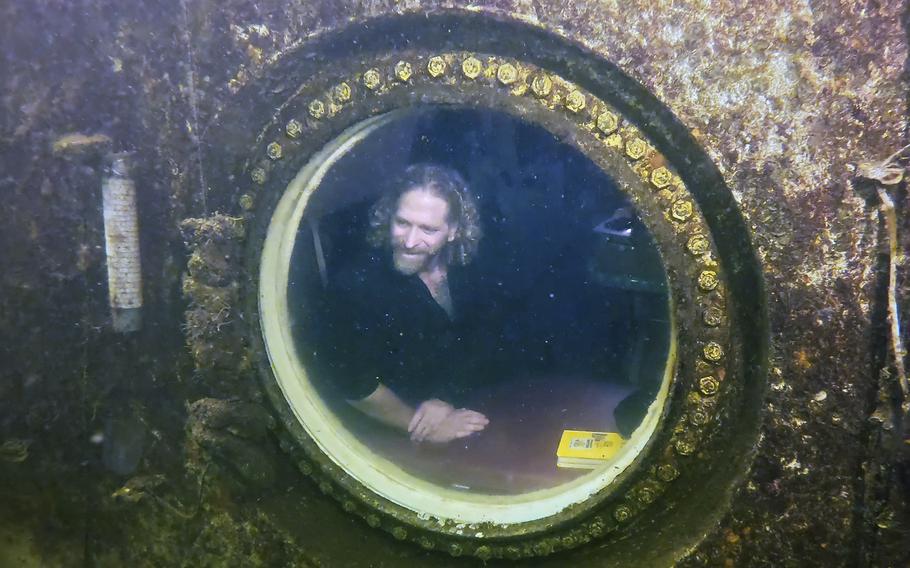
[{"x": 381, "y": 326}]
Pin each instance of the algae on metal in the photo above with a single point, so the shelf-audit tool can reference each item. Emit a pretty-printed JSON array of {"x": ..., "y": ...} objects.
[{"x": 783, "y": 98}]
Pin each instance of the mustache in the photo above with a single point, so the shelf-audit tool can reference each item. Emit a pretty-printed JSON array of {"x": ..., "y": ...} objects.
[{"x": 400, "y": 248}]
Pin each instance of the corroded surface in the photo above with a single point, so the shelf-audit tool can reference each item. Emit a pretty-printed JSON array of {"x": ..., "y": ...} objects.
[{"x": 786, "y": 99}]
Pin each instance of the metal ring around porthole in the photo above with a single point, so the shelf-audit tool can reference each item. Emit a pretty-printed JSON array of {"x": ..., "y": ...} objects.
[{"x": 329, "y": 115}]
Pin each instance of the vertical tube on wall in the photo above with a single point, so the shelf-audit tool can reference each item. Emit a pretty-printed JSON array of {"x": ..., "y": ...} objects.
[{"x": 121, "y": 235}]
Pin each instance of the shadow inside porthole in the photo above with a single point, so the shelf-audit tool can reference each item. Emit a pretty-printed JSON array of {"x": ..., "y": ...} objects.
[{"x": 551, "y": 339}]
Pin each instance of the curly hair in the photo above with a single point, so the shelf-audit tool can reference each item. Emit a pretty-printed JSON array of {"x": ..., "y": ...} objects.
[{"x": 446, "y": 184}]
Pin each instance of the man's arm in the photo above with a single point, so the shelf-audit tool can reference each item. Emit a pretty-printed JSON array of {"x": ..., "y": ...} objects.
[{"x": 385, "y": 406}]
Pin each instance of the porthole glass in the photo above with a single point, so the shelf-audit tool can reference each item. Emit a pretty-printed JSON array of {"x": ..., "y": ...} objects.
[{"x": 467, "y": 315}]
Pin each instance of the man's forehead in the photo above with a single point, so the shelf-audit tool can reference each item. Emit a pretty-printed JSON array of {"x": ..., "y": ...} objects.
[{"x": 421, "y": 201}]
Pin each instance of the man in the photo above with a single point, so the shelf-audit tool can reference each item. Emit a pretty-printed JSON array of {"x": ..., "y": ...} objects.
[{"x": 403, "y": 345}]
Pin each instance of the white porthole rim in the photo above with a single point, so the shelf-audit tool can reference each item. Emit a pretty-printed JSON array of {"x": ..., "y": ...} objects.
[{"x": 386, "y": 479}]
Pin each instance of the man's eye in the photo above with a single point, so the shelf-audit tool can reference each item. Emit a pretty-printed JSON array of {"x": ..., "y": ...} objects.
[{"x": 431, "y": 231}]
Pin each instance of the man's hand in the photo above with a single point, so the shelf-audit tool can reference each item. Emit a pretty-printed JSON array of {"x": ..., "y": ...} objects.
[
  {"x": 429, "y": 415},
  {"x": 458, "y": 424}
]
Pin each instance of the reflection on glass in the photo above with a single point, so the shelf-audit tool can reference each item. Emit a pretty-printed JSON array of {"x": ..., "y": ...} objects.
[{"x": 467, "y": 291}]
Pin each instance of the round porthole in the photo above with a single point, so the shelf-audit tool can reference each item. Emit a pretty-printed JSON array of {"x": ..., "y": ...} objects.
[
  {"x": 568, "y": 301},
  {"x": 554, "y": 333},
  {"x": 565, "y": 325}
]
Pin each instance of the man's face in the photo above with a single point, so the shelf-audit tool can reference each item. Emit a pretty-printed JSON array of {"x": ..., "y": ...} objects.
[{"x": 420, "y": 229}]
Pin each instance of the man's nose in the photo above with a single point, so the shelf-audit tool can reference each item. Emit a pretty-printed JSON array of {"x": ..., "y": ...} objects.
[{"x": 412, "y": 239}]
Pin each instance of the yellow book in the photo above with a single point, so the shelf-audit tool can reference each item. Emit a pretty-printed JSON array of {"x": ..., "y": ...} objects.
[{"x": 586, "y": 450}]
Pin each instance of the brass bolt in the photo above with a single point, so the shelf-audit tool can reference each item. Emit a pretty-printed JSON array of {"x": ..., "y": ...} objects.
[
  {"x": 341, "y": 93},
  {"x": 455, "y": 550},
  {"x": 403, "y": 71},
  {"x": 246, "y": 202},
  {"x": 257, "y": 175},
  {"x": 293, "y": 128},
  {"x": 348, "y": 506},
  {"x": 436, "y": 66},
  {"x": 646, "y": 495},
  {"x": 713, "y": 316},
  {"x": 575, "y": 101},
  {"x": 684, "y": 446},
  {"x": 708, "y": 386},
  {"x": 681, "y": 209},
  {"x": 507, "y": 74},
  {"x": 316, "y": 108},
  {"x": 399, "y": 533},
  {"x": 699, "y": 418},
  {"x": 541, "y": 85},
  {"x": 596, "y": 527},
  {"x": 698, "y": 245},
  {"x": 274, "y": 151},
  {"x": 483, "y": 552},
  {"x": 661, "y": 177},
  {"x": 614, "y": 141},
  {"x": 426, "y": 543},
  {"x": 636, "y": 148},
  {"x": 372, "y": 79},
  {"x": 667, "y": 472},
  {"x": 707, "y": 280},
  {"x": 305, "y": 467},
  {"x": 622, "y": 514},
  {"x": 607, "y": 122},
  {"x": 373, "y": 521},
  {"x": 471, "y": 67},
  {"x": 713, "y": 351}
]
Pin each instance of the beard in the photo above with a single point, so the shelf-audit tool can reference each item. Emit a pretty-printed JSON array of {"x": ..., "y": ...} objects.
[{"x": 410, "y": 264}]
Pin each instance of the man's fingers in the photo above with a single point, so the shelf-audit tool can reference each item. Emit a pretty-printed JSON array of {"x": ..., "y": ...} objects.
[
  {"x": 473, "y": 417},
  {"x": 473, "y": 414},
  {"x": 422, "y": 429},
  {"x": 473, "y": 426},
  {"x": 468, "y": 429},
  {"x": 446, "y": 425},
  {"x": 418, "y": 432},
  {"x": 430, "y": 412},
  {"x": 416, "y": 418},
  {"x": 470, "y": 422}
]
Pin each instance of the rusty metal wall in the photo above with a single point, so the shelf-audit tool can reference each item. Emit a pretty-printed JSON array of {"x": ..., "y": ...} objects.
[{"x": 788, "y": 98}]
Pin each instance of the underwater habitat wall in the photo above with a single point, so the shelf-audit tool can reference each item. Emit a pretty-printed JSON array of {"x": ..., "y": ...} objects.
[{"x": 150, "y": 152}]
